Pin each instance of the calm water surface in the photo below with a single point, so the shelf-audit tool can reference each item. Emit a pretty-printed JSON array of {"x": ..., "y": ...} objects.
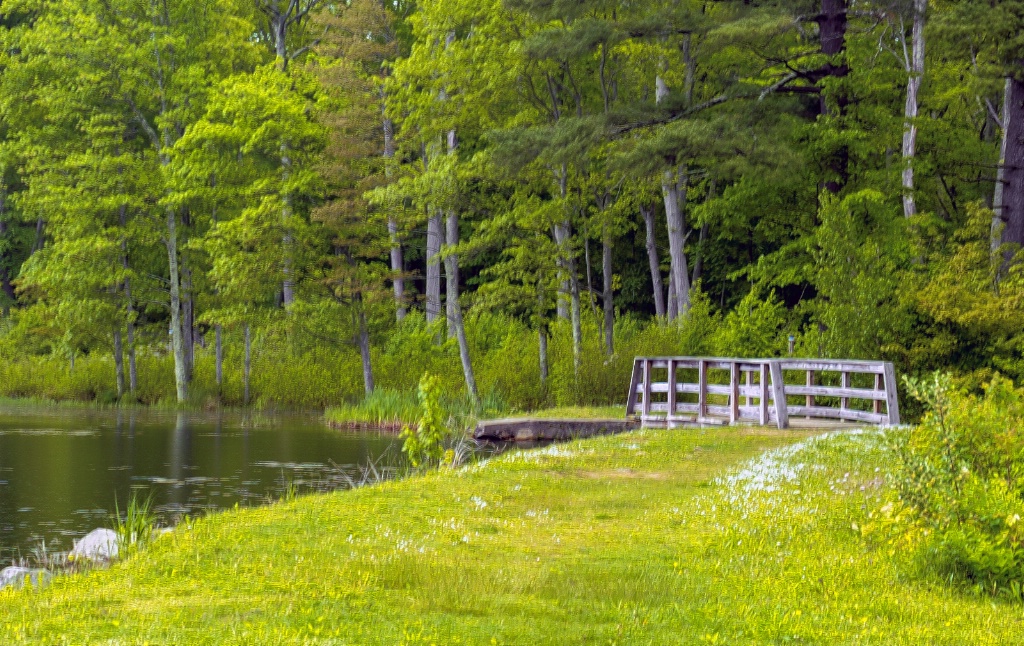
[{"x": 61, "y": 470}]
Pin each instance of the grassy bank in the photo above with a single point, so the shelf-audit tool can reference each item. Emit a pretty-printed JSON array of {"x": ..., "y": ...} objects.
[{"x": 649, "y": 537}]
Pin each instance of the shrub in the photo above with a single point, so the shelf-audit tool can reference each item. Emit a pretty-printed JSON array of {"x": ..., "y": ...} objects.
[{"x": 961, "y": 477}]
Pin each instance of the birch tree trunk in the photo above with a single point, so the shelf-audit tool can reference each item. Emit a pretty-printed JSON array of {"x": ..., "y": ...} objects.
[
  {"x": 119, "y": 363},
  {"x": 364, "y": 346},
  {"x": 397, "y": 261},
  {"x": 434, "y": 235},
  {"x": 177, "y": 341},
  {"x": 647, "y": 211},
  {"x": 133, "y": 375},
  {"x": 246, "y": 365},
  {"x": 915, "y": 71},
  {"x": 997, "y": 193},
  {"x": 606, "y": 296},
  {"x": 674, "y": 186},
  {"x": 453, "y": 307},
  {"x": 562, "y": 231},
  {"x": 287, "y": 241},
  {"x": 1013, "y": 173}
]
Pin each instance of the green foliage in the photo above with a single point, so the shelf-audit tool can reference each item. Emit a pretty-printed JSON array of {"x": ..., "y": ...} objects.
[
  {"x": 424, "y": 444},
  {"x": 961, "y": 478},
  {"x": 135, "y": 526}
]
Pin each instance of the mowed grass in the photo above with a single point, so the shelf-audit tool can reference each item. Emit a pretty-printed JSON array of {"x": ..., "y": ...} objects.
[{"x": 651, "y": 537}]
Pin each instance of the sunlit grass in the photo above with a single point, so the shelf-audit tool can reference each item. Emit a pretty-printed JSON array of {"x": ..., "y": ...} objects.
[{"x": 665, "y": 537}]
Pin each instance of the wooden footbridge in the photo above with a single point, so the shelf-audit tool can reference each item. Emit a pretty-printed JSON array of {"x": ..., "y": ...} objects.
[{"x": 670, "y": 391}]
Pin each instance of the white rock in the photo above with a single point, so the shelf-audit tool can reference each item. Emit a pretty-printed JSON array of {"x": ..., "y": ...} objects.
[
  {"x": 18, "y": 576},
  {"x": 98, "y": 545}
]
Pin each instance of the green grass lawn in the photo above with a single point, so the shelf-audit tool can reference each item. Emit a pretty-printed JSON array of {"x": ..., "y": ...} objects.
[{"x": 661, "y": 537}]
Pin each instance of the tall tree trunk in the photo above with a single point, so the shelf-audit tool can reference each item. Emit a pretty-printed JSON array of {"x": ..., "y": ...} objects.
[
  {"x": 246, "y": 365},
  {"x": 434, "y": 236},
  {"x": 542, "y": 333},
  {"x": 675, "y": 185},
  {"x": 288, "y": 240},
  {"x": 364, "y": 346},
  {"x": 397, "y": 261},
  {"x": 133, "y": 375},
  {"x": 451, "y": 271},
  {"x": 40, "y": 235},
  {"x": 997, "y": 193},
  {"x": 647, "y": 211},
  {"x": 119, "y": 363},
  {"x": 1013, "y": 173},
  {"x": 188, "y": 321},
  {"x": 177, "y": 340},
  {"x": 915, "y": 71},
  {"x": 673, "y": 303},
  {"x": 562, "y": 232},
  {"x": 219, "y": 355},
  {"x": 606, "y": 296},
  {"x": 832, "y": 24},
  {"x": 577, "y": 327}
]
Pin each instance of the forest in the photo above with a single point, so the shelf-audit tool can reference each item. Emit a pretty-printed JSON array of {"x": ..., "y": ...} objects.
[{"x": 299, "y": 203}]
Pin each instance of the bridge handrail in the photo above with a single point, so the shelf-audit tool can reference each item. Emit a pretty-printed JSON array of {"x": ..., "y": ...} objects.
[{"x": 771, "y": 391}]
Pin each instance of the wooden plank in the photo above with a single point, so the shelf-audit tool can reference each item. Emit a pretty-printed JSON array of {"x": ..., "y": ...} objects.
[
  {"x": 717, "y": 389},
  {"x": 671, "y": 386},
  {"x": 779, "y": 394},
  {"x": 634, "y": 381},
  {"x": 748, "y": 391},
  {"x": 646, "y": 405},
  {"x": 837, "y": 413},
  {"x": 874, "y": 367},
  {"x": 878, "y": 386},
  {"x": 810, "y": 383},
  {"x": 763, "y": 403},
  {"x": 835, "y": 391},
  {"x": 659, "y": 387},
  {"x": 662, "y": 387},
  {"x": 845, "y": 383},
  {"x": 702, "y": 394},
  {"x": 734, "y": 396},
  {"x": 892, "y": 403}
]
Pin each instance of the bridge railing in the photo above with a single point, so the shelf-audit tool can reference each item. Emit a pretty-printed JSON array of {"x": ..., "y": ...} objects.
[{"x": 717, "y": 390}]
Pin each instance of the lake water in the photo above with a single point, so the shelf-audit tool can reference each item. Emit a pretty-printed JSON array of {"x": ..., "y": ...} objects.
[{"x": 62, "y": 469}]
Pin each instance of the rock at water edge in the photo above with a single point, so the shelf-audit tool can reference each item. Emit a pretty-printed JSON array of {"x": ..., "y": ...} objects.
[
  {"x": 19, "y": 576},
  {"x": 97, "y": 545}
]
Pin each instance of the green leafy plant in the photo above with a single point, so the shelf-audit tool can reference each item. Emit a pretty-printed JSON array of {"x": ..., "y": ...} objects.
[
  {"x": 424, "y": 444},
  {"x": 961, "y": 476},
  {"x": 135, "y": 526}
]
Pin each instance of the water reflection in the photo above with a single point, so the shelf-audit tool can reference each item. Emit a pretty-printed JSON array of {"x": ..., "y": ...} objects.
[{"x": 61, "y": 471}]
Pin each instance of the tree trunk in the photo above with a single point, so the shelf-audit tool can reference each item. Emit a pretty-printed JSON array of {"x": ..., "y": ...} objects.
[
  {"x": 219, "y": 355},
  {"x": 434, "y": 235},
  {"x": 1013, "y": 173},
  {"x": 832, "y": 23},
  {"x": 997, "y": 194},
  {"x": 562, "y": 232},
  {"x": 40, "y": 235},
  {"x": 454, "y": 308},
  {"x": 606, "y": 296},
  {"x": 177, "y": 342},
  {"x": 698, "y": 262},
  {"x": 287, "y": 241},
  {"x": 647, "y": 211},
  {"x": 247, "y": 365},
  {"x": 915, "y": 71},
  {"x": 119, "y": 363},
  {"x": 397, "y": 262},
  {"x": 188, "y": 321},
  {"x": 673, "y": 303},
  {"x": 577, "y": 328},
  {"x": 133, "y": 375},
  {"x": 364, "y": 346},
  {"x": 674, "y": 187}
]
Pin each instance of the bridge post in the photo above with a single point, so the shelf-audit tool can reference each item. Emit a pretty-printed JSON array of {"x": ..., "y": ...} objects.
[{"x": 779, "y": 394}]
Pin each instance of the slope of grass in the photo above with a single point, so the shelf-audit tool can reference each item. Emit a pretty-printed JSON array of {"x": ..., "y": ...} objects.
[{"x": 685, "y": 536}]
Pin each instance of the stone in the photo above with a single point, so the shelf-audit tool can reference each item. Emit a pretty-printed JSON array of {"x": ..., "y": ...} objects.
[
  {"x": 98, "y": 545},
  {"x": 19, "y": 576}
]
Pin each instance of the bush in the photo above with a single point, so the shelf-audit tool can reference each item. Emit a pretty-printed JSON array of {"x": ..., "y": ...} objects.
[{"x": 961, "y": 477}]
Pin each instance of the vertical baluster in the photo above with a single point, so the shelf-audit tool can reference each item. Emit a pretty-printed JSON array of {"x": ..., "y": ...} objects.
[
  {"x": 702, "y": 389},
  {"x": 647, "y": 389},
  {"x": 734, "y": 392},
  {"x": 671, "y": 393},
  {"x": 810, "y": 398},
  {"x": 763, "y": 404},
  {"x": 877, "y": 408},
  {"x": 844, "y": 403}
]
